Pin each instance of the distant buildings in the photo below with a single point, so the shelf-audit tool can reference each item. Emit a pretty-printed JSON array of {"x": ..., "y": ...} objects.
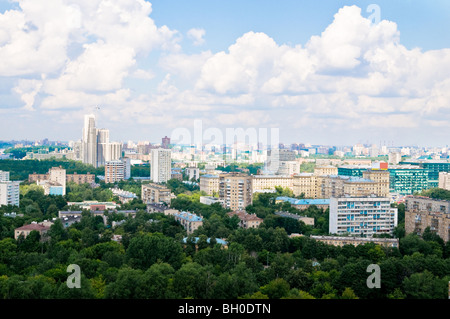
[
  {"x": 364, "y": 217},
  {"x": 76, "y": 178},
  {"x": 9, "y": 190},
  {"x": 422, "y": 212},
  {"x": 124, "y": 196},
  {"x": 165, "y": 142},
  {"x": 96, "y": 149},
  {"x": 192, "y": 172},
  {"x": 155, "y": 194},
  {"x": 161, "y": 164},
  {"x": 93, "y": 205},
  {"x": 246, "y": 220},
  {"x": 235, "y": 190},
  {"x": 261, "y": 183}
]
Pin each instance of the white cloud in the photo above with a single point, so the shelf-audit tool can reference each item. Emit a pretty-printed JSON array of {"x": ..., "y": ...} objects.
[{"x": 197, "y": 36}]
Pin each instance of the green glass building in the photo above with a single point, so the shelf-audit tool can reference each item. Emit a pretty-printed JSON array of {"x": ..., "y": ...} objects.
[{"x": 433, "y": 168}]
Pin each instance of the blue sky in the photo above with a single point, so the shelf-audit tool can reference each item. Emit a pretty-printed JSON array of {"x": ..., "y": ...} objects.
[{"x": 317, "y": 70}]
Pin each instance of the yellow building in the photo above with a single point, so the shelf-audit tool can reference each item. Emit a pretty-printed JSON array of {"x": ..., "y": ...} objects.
[
  {"x": 154, "y": 193},
  {"x": 209, "y": 184},
  {"x": 235, "y": 190},
  {"x": 265, "y": 182}
]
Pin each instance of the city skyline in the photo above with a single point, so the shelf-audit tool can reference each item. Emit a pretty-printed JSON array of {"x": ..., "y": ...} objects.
[{"x": 324, "y": 74}]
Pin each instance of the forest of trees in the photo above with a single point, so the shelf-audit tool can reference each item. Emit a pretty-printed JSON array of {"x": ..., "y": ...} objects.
[{"x": 157, "y": 259}]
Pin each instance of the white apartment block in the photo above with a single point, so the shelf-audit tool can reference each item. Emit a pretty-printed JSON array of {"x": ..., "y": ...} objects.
[
  {"x": 57, "y": 175},
  {"x": 9, "y": 191},
  {"x": 444, "y": 180},
  {"x": 193, "y": 172},
  {"x": 363, "y": 216},
  {"x": 161, "y": 165}
]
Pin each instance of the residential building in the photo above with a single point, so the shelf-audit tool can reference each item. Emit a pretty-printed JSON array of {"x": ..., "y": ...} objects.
[
  {"x": 153, "y": 193},
  {"x": 209, "y": 184},
  {"x": 57, "y": 175},
  {"x": 288, "y": 168},
  {"x": 422, "y": 212},
  {"x": 444, "y": 180},
  {"x": 307, "y": 184},
  {"x": 94, "y": 205},
  {"x": 96, "y": 148},
  {"x": 193, "y": 173},
  {"x": 246, "y": 220},
  {"x": 381, "y": 178},
  {"x": 124, "y": 196},
  {"x": 189, "y": 221},
  {"x": 306, "y": 220},
  {"x": 165, "y": 142},
  {"x": 235, "y": 190},
  {"x": 161, "y": 164},
  {"x": 161, "y": 208},
  {"x": 355, "y": 241},
  {"x": 25, "y": 230},
  {"x": 325, "y": 170},
  {"x": 268, "y": 182},
  {"x": 114, "y": 171},
  {"x": 302, "y": 204},
  {"x": 364, "y": 216},
  {"x": 4, "y": 176},
  {"x": 9, "y": 192},
  {"x": 80, "y": 178}
]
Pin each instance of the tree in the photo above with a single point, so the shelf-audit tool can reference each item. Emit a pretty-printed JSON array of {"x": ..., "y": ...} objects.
[
  {"x": 276, "y": 289},
  {"x": 425, "y": 286},
  {"x": 348, "y": 293},
  {"x": 146, "y": 249},
  {"x": 128, "y": 285}
]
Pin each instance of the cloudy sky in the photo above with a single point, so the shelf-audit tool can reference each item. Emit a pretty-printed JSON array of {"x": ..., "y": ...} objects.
[{"x": 329, "y": 73}]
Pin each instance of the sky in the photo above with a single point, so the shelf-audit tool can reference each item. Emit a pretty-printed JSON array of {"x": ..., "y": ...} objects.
[{"x": 326, "y": 72}]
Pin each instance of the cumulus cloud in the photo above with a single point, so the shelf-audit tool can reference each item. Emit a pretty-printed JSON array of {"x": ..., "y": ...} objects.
[{"x": 197, "y": 36}]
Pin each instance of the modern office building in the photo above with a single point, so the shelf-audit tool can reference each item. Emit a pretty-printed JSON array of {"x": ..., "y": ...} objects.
[
  {"x": 403, "y": 179},
  {"x": 422, "y": 212},
  {"x": 9, "y": 190},
  {"x": 209, "y": 184},
  {"x": 161, "y": 165},
  {"x": 235, "y": 190},
  {"x": 155, "y": 194},
  {"x": 433, "y": 167},
  {"x": 364, "y": 216}
]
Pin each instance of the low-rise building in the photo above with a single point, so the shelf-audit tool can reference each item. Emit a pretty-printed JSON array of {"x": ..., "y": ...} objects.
[
  {"x": 302, "y": 204},
  {"x": 355, "y": 241},
  {"x": 94, "y": 205},
  {"x": 25, "y": 230},
  {"x": 189, "y": 221},
  {"x": 246, "y": 220},
  {"x": 306, "y": 220},
  {"x": 161, "y": 208}
]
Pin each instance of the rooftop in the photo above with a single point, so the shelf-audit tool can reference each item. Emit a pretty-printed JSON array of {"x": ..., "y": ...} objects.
[
  {"x": 308, "y": 201},
  {"x": 189, "y": 217}
]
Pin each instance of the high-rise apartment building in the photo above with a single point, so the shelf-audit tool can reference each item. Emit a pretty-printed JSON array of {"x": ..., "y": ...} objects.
[
  {"x": 57, "y": 175},
  {"x": 155, "y": 194},
  {"x": 422, "y": 212},
  {"x": 114, "y": 171},
  {"x": 165, "y": 142},
  {"x": 362, "y": 217},
  {"x": 444, "y": 180},
  {"x": 209, "y": 184},
  {"x": 9, "y": 190},
  {"x": 96, "y": 148},
  {"x": 161, "y": 165},
  {"x": 235, "y": 190}
]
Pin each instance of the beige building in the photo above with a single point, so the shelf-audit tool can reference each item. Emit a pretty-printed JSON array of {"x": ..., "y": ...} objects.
[
  {"x": 235, "y": 190},
  {"x": 209, "y": 184},
  {"x": 355, "y": 241},
  {"x": 155, "y": 193},
  {"x": 444, "y": 180},
  {"x": 189, "y": 221},
  {"x": 114, "y": 171},
  {"x": 269, "y": 182},
  {"x": 246, "y": 220},
  {"x": 325, "y": 170},
  {"x": 422, "y": 212},
  {"x": 381, "y": 178},
  {"x": 76, "y": 178},
  {"x": 308, "y": 184},
  {"x": 25, "y": 230}
]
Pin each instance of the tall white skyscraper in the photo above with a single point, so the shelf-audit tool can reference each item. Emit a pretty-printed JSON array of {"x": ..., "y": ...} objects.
[
  {"x": 96, "y": 148},
  {"x": 161, "y": 165}
]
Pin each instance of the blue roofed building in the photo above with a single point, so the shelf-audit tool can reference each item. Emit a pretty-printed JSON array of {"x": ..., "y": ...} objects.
[
  {"x": 189, "y": 221},
  {"x": 302, "y": 204}
]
